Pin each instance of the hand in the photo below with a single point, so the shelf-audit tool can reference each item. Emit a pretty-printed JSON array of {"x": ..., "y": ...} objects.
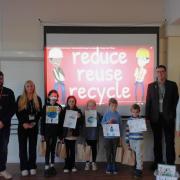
[
  {"x": 120, "y": 141},
  {"x": 1, "y": 125},
  {"x": 58, "y": 109},
  {"x": 79, "y": 115},
  {"x": 42, "y": 138},
  {"x": 109, "y": 122},
  {"x": 128, "y": 145},
  {"x": 31, "y": 125},
  {"x": 177, "y": 133},
  {"x": 62, "y": 141},
  {"x": 26, "y": 125}
]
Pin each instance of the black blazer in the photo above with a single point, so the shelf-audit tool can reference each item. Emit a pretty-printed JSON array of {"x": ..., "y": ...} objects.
[
  {"x": 169, "y": 103},
  {"x": 23, "y": 115}
]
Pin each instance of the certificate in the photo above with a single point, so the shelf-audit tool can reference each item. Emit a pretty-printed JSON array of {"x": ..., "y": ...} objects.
[
  {"x": 70, "y": 119},
  {"x": 52, "y": 114},
  {"x": 91, "y": 118},
  {"x": 137, "y": 125},
  {"x": 111, "y": 130}
]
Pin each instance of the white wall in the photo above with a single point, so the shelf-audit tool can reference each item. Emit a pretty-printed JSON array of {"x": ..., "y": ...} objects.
[{"x": 20, "y": 28}]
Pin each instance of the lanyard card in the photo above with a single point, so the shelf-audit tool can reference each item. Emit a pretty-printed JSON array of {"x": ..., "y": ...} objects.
[
  {"x": 70, "y": 119},
  {"x": 91, "y": 118}
]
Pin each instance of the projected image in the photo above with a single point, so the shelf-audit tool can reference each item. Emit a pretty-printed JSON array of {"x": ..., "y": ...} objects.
[{"x": 100, "y": 72}]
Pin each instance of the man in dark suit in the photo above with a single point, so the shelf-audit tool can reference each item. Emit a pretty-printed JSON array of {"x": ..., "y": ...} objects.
[{"x": 161, "y": 102}]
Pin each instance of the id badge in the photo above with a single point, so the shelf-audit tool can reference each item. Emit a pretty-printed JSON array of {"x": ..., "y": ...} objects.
[{"x": 31, "y": 117}]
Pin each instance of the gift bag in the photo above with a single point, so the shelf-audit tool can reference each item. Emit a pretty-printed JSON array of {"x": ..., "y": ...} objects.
[
  {"x": 128, "y": 157},
  {"x": 61, "y": 150},
  {"x": 42, "y": 148},
  {"x": 87, "y": 153},
  {"x": 80, "y": 152},
  {"x": 119, "y": 154}
]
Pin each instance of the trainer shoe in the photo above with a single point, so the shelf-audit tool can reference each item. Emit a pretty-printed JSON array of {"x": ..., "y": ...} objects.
[
  {"x": 94, "y": 166},
  {"x": 66, "y": 170},
  {"x": 74, "y": 169},
  {"x": 33, "y": 172},
  {"x": 87, "y": 166},
  {"x": 5, "y": 175},
  {"x": 24, "y": 172},
  {"x": 108, "y": 169}
]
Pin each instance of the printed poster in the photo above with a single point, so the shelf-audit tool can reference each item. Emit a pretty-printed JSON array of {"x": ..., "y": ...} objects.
[
  {"x": 111, "y": 130},
  {"x": 70, "y": 119},
  {"x": 52, "y": 114},
  {"x": 91, "y": 118}
]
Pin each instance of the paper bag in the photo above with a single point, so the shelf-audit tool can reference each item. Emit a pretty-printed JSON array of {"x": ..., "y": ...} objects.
[
  {"x": 61, "y": 150},
  {"x": 119, "y": 154},
  {"x": 42, "y": 148},
  {"x": 128, "y": 157},
  {"x": 87, "y": 153}
]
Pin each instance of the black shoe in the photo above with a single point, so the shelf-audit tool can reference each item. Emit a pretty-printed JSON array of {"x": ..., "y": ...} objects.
[
  {"x": 138, "y": 173},
  {"x": 53, "y": 171},
  {"x": 47, "y": 173}
]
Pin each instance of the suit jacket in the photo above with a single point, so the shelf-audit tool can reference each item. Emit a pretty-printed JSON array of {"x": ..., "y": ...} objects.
[{"x": 169, "y": 102}]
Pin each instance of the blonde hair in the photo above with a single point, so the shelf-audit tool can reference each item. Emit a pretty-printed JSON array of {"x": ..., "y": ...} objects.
[
  {"x": 23, "y": 100},
  {"x": 142, "y": 53},
  {"x": 91, "y": 101}
]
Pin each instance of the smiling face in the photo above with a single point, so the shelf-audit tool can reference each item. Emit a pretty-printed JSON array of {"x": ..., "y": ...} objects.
[
  {"x": 71, "y": 103},
  {"x": 113, "y": 107},
  {"x": 29, "y": 88},
  {"x": 161, "y": 74},
  {"x": 135, "y": 112},
  {"x": 91, "y": 106}
]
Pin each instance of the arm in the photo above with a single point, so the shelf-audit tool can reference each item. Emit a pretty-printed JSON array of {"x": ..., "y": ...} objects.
[
  {"x": 178, "y": 118},
  {"x": 21, "y": 114},
  {"x": 127, "y": 134},
  {"x": 104, "y": 119},
  {"x": 11, "y": 109},
  {"x": 148, "y": 103},
  {"x": 175, "y": 97}
]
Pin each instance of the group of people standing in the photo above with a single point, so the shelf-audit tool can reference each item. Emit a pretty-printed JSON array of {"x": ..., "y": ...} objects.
[{"x": 161, "y": 101}]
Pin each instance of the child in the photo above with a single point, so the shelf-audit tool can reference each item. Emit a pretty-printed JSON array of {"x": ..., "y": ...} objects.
[
  {"x": 70, "y": 135},
  {"x": 91, "y": 135},
  {"x": 111, "y": 143},
  {"x": 135, "y": 141},
  {"x": 50, "y": 125}
]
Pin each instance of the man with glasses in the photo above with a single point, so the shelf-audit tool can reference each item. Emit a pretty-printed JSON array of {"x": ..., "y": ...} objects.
[{"x": 161, "y": 102}]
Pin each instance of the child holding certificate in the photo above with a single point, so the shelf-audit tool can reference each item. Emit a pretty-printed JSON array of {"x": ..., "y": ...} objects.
[
  {"x": 135, "y": 139},
  {"x": 111, "y": 123},
  {"x": 92, "y": 122},
  {"x": 50, "y": 124},
  {"x": 72, "y": 123}
]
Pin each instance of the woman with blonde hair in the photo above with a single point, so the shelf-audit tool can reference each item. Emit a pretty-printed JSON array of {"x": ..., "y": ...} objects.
[{"x": 28, "y": 112}]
